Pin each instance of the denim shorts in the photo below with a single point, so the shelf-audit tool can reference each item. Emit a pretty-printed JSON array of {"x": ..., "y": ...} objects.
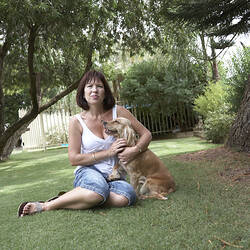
[{"x": 92, "y": 179}]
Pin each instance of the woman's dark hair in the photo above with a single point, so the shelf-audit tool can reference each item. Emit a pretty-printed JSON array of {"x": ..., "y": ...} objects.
[{"x": 109, "y": 100}]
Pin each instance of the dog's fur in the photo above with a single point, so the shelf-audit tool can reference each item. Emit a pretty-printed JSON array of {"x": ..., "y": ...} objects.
[{"x": 148, "y": 175}]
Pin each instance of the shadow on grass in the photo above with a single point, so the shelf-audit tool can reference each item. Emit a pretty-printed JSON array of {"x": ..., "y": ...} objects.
[{"x": 27, "y": 173}]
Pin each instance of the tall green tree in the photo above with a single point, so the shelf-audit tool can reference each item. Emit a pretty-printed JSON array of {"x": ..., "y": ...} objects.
[
  {"x": 161, "y": 84},
  {"x": 218, "y": 18},
  {"x": 221, "y": 19},
  {"x": 52, "y": 43},
  {"x": 239, "y": 136},
  {"x": 238, "y": 69}
]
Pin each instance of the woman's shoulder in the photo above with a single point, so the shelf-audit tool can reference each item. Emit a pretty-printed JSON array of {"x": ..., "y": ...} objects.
[
  {"x": 119, "y": 109},
  {"x": 74, "y": 122},
  {"x": 123, "y": 112},
  {"x": 74, "y": 118}
]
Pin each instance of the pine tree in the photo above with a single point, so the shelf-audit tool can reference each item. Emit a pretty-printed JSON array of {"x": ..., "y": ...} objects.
[{"x": 220, "y": 18}]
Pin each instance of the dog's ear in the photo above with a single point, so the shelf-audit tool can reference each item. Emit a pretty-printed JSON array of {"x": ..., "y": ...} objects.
[{"x": 129, "y": 134}]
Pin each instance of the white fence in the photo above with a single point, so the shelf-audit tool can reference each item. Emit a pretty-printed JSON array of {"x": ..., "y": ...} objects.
[
  {"x": 45, "y": 126},
  {"x": 51, "y": 128}
]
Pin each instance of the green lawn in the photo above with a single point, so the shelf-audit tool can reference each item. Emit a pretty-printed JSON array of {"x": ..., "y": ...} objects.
[{"x": 204, "y": 211}]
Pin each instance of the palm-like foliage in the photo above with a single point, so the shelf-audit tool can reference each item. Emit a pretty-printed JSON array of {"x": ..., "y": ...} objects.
[{"x": 221, "y": 18}]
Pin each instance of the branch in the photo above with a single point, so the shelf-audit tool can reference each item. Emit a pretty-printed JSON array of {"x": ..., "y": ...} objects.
[
  {"x": 203, "y": 44},
  {"x": 224, "y": 48},
  {"x": 227, "y": 243},
  {"x": 75, "y": 84},
  {"x": 62, "y": 94}
]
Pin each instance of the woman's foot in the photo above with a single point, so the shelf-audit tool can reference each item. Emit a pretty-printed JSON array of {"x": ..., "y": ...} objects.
[{"x": 29, "y": 208}]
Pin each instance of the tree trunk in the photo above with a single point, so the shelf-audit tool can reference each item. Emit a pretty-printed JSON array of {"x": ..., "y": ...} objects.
[
  {"x": 215, "y": 72},
  {"x": 204, "y": 52},
  {"x": 239, "y": 136},
  {"x": 7, "y": 148}
]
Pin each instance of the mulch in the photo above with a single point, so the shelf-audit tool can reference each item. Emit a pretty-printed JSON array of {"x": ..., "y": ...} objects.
[{"x": 236, "y": 164}]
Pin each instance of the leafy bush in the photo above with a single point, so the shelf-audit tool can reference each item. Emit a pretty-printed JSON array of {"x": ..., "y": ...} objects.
[
  {"x": 239, "y": 71},
  {"x": 217, "y": 126},
  {"x": 214, "y": 98},
  {"x": 214, "y": 107},
  {"x": 160, "y": 84},
  {"x": 58, "y": 137}
]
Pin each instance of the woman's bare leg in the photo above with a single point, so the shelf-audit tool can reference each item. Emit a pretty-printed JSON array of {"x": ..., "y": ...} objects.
[{"x": 78, "y": 198}]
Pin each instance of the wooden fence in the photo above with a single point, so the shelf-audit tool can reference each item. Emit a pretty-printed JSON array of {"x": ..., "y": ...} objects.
[
  {"x": 47, "y": 129},
  {"x": 50, "y": 128},
  {"x": 183, "y": 119}
]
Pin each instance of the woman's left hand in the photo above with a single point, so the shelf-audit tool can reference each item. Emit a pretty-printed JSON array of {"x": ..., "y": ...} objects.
[{"x": 127, "y": 155}]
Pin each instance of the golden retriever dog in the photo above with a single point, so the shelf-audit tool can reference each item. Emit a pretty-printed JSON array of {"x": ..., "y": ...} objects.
[{"x": 148, "y": 174}]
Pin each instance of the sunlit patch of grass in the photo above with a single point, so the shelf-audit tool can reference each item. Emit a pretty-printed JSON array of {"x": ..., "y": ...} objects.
[
  {"x": 41, "y": 157},
  {"x": 178, "y": 146},
  {"x": 52, "y": 177}
]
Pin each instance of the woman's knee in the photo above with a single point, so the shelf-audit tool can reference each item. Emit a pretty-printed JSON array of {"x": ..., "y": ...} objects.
[
  {"x": 90, "y": 196},
  {"x": 117, "y": 200}
]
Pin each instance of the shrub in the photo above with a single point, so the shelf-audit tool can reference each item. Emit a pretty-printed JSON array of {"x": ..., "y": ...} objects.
[
  {"x": 161, "y": 84},
  {"x": 217, "y": 126},
  {"x": 239, "y": 70},
  {"x": 215, "y": 110},
  {"x": 58, "y": 137},
  {"x": 214, "y": 98}
]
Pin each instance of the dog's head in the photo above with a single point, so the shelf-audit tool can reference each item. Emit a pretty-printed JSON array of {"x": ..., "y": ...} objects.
[{"x": 121, "y": 128}]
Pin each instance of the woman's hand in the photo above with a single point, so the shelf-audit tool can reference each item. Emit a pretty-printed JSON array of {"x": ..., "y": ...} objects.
[
  {"x": 117, "y": 147},
  {"x": 128, "y": 154}
]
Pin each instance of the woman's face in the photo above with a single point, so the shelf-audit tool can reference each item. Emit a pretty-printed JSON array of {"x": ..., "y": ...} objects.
[{"x": 94, "y": 92}]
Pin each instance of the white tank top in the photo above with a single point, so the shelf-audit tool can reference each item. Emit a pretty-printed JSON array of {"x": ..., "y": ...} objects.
[{"x": 92, "y": 143}]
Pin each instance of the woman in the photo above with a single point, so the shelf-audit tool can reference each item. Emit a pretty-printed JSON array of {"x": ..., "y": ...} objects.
[{"x": 94, "y": 152}]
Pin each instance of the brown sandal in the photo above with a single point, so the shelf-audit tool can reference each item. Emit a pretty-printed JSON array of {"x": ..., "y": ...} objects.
[
  {"x": 38, "y": 209},
  {"x": 55, "y": 197}
]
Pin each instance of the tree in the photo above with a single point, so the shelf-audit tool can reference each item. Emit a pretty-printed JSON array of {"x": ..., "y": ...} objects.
[
  {"x": 221, "y": 19},
  {"x": 238, "y": 70},
  {"x": 218, "y": 18},
  {"x": 45, "y": 37},
  {"x": 162, "y": 83},
  {"x": 25, "y": 26},
  {"x": 239, "y": 135}
]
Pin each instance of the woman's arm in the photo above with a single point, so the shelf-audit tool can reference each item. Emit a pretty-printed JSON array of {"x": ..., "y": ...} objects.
[
  {"x": 74, "y": 149},
  {"x": 144, "y": 136}
]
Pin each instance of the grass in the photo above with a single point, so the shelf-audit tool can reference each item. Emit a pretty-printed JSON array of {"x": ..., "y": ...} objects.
[{"x": 204, "y": 211}]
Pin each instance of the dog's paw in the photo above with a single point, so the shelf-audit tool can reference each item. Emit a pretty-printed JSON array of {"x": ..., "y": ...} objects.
[
  {"x": 110, "y": 178},
  {"x": 113, "y": 177},
  {"x": 155, "y": 196},
  {"x": 142, "y": 197},
  {"x": 164, "y": 198}
]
